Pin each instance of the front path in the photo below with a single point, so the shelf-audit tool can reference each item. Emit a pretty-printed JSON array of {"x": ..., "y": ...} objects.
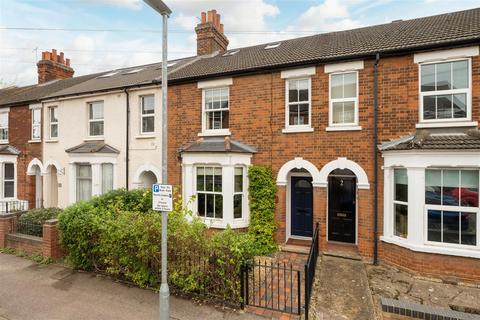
[{"x": 29, "y": 291}]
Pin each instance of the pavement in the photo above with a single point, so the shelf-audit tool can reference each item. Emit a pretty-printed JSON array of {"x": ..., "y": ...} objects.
[{"x": 29, "y": 291}]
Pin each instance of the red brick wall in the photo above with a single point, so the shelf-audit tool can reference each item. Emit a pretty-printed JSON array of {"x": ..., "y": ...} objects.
[
  {"x": 257, "y": 117},
  {"x": 19, "y": 134}
]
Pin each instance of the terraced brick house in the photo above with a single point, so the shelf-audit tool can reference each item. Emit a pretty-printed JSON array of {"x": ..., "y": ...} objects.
[{"x": 372, "y": 133}]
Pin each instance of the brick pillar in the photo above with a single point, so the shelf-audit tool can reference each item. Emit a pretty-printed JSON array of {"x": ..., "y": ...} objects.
[
  {"x": 7, "y": 225},
  {"x": 51, "y": 240},
  {"x": 320, "y": 214},
  {"x": 365, "y": 223},
  {"x": 280, "y": 214}
]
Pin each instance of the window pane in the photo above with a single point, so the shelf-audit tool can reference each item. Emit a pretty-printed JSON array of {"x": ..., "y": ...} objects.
[
  {"x": 9, "y": 173},
  {"x": 459, "y": 105},
  {"x": 84, "y": 182},
  {"x": 200, "y": 179},
  {"x": 96, "y": 110},
  {"x": 53, "y": 131},
  {"x": 337, "y": 86},
  {"x": 9, "y": 189},
  {"x": 84, "y": 171},
  {"x": 433, "y": 189},
  {"x": 337, "y": 112},
  {"x": 303, "y": 90},
  {"x": 237, "y": 206},
  {"x": 401, "y": 220},
  {"x": 469, "y": 228},
  {"x": 469, "y": 189},
  {"x": 303, "y": 114},
  {"x": 36, "y": 116},
  {"x": 218, "y": 206},
  {"x": 434, "y": 225},
  {"x": 217, "y": 187},
  {"x": 224, "y": 95},
  {"x": 107, "y": 177},
  {"x": 210, "y": 198},
  {"x": 292, "y": 91},
  {"x": 429, "y": 109},
  {"x": 444, "y": 107},
  {"x": 443, "y": 76},
  {"x": 225, "y": 120},
  {"x": 3, "y": 134},
  {"x": 428, "y": 77},
  {"x": 460, "y": 74},
  {"x": 36, "y": 132},
  {"x": 401, "y": 185},
  {"x": 201, "y": 204},
  {"x": 451, "y": 184},
  {"x": 148, "y": 124},
  {"x": 53, "y": 115},
  {"x": 4, "y": 119},
  {"x": 451, "y": 227},
  {"x": 349, "y": 112},
  {"x": 293, "y": 115},
  {"x": 96, "y": 128},
  {"x": 209, "y": 179},
  {"x": 148, "y": 105},
  {"x": 350, "y": 85},
  {"x": 238, "y": 179}
]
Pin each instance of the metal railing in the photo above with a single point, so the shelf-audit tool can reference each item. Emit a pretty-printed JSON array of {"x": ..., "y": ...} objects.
[
  {"x": 13, "y": 206},
  {"x": 29, "y": 228},
  {"x": 310, "y": 267},
  {"x": 272, "y": 286}
]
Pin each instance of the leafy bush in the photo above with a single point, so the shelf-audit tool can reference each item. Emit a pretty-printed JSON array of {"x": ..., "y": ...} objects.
[
  {"x": 39, "y": 216},
  {"x": 262, "y": 190}
]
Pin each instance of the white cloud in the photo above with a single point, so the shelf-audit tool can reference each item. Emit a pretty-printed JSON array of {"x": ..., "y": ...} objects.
[{"x": 131, "y": 4}]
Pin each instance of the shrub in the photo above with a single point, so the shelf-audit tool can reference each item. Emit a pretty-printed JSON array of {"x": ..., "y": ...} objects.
[{"x": 39, "y": 216}]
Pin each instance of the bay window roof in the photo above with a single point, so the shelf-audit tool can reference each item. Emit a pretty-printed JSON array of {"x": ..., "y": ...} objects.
[{"x": 218, "y": 144}]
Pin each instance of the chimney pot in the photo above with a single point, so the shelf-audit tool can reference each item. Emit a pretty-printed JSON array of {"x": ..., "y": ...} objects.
[
  {"x": 210, "y": 16},
  {"x": 221, "y": 27},
  {"x": 54, "y": 55},
  {"x": 217, "y": 22},
  {"x": 58, "y": 70},
  {"x": 67, "y": 62},
  {"x": 204, "y": 17},
  {"x": 62, "y": 58},
  {"x": 210, "y": 36}
]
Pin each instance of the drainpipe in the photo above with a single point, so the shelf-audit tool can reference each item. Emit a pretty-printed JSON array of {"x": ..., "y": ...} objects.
[
  {"x": 127, "y": 152},
  {"x": 375, "y": 159}
]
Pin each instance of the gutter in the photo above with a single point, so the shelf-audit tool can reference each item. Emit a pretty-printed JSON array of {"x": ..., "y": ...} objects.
[
  {"x": 127, "y": 151},
  {"x": 375, "y": 159}
]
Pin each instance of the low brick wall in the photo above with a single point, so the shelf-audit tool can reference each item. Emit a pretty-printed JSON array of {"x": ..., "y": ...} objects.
[{"x": 48, "y": 245}]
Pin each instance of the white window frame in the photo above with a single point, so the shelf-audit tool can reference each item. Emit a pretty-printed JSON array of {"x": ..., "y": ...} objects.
[
  {"x": 52, "y": 123},
  {"x": 394, "y": 202},
  {"x": 468, "y": 92},
  {"x": 303, "y": 127},
  {"x": 5, "y": 112},
  {"x": 243, "y": 192},
  {"x": 214, "y": 132},
  {"x": 95, "y": 120},
  {"x": 38, "y": 126},
  {"x": 343, "y": 126},
  {"x": 14, "y": 180},
  {"x": 148, "y": 115},
  {"x": 222, "y": 193},
  {"x": 102, "y": 168},
  {"x": 458, "y": 208}
]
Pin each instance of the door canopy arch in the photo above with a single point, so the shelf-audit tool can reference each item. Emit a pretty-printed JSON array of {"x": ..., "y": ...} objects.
[
  {"x": 344, "y": 163},
  {"x": 297, "y": 163},
  {"x": 49, "y": 164},
  {"x": 31, "y": 169},
  {"x": 146, "y": 168}
]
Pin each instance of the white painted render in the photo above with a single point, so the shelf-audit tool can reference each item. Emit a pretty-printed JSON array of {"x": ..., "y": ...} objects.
[{"x": 72, "y": 114}]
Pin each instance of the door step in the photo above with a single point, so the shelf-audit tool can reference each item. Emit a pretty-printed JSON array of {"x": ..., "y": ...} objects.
[
  {"x": 345, "y": 255},
  {"x": 295, "y": 248}
]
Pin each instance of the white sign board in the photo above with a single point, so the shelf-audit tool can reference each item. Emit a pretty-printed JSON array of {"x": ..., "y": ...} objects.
[{"x": 162, "y": 196}]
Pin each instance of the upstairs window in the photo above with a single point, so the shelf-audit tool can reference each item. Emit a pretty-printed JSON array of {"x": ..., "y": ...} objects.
[
  {"x": 36, "y": 123},
  {"x": 95, "y": 119},
  {"x": 400, "y": 202},
  {"x": 298, "y": 103},
  {"x": 445, "y": 91},
  {"x": 148, "y": 114},
  {"x": 343, "y": 99},
  {"x": 216, "y": 108},
  {"x": 53, "y": 122},
  {"x": 4, "y": 127}
]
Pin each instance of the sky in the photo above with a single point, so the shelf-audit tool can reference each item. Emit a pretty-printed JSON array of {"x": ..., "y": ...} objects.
[{"x": 99, "y": 35}]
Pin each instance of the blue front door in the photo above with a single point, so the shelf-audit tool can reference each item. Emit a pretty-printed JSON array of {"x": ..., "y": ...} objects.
[{"x": 301, "y": 206}]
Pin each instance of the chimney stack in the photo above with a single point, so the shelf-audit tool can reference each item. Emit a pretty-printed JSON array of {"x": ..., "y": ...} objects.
[
  {"x": 210, "y": 36},
  {"x": 53, "y": 67}
]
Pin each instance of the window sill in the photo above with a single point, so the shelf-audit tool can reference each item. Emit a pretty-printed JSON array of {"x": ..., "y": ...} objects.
[
  {"x": 343, "y": 128},
  {"x": 297, "y": 129},
  {"x": 451, "y": 124},
  {"x": 4, "y": 142},
  {"x": 51, "y": 141},
  {"x": 99, "y": 138},
  {"x": 459, "y": 252},
  {"x": 215, "y": 133},
  {"x": 223, "y": 224},
  {"x": 34, "y": 141},
  {"x": 145, "y": 136}
]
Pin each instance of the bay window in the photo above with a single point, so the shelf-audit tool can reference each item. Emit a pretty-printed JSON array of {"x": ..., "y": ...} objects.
[
  {"x": 400, "y": 202},
  {"x": 445, "y": 91},
  {"x": 84, "y": 182},
  {"x": 95, "y": 119},
  {"x": 298, "y": 102},
  {"x": 8, "y": 180},
  {"x": 209, "y": 192},
  {"x": 238, "y": 193},
  {"x": 107, "y": 177},
  {"x": 452, "y": 207},
  {"x": 343, "y": 99}
]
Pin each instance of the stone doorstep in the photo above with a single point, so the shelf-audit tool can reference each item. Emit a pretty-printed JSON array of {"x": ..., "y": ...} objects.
[
  {"x": 295, "y": 249},
  {"x": 420, "y": 311},
  {"x": 345, "y": 255}
]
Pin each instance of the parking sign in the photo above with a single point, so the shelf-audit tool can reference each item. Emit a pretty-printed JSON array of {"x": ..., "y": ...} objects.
[{"x": 162, "y": 197}]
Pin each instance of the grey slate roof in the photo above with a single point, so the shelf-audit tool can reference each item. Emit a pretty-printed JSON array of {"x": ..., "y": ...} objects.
[
  {"x": 424, "y": 140},
  {"x": 93, "y": 147},
  {"x": 216, "y": 144},
  {"x": 34, "y": 93},
  {"x": 9, "y": 150}
]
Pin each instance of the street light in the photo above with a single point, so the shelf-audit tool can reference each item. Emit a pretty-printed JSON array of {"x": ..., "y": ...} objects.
[{"x": 165, "y": 11}]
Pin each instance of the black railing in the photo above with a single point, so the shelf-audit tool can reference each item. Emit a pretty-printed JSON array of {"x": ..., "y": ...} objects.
[
  {"x": 310, "y": 267},
  {"x": 13, "y": 206},
  {"x": 272, "y": 286},
  {"x": 29, "y": 228}
]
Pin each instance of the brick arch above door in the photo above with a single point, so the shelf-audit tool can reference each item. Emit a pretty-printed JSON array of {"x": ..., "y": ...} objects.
[
  {"x": 298, "y": 163},
  {"x": 344, "y": 163}
]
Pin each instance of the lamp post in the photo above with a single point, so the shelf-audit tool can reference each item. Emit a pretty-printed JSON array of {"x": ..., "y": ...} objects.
[{"x": 161, "y": 7}]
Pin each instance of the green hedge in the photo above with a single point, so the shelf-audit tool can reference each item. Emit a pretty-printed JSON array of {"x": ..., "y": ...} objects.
[{"x": 39, "y": 216}]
